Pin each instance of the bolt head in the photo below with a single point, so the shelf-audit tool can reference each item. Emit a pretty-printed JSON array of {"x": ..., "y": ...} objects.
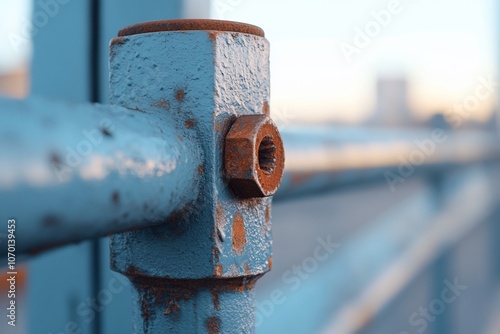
[{"x": 254, "y": 156}]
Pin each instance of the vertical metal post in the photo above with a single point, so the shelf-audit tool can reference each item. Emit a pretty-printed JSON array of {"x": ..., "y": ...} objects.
[
  {"x": 195, "y": 273},
  {"x": 61, "y": 279}
]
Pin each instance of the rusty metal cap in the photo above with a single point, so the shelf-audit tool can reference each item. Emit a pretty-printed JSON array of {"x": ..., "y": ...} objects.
[
  {"x": 254, "y": 156},
  {"x": 186, "y": 25}
]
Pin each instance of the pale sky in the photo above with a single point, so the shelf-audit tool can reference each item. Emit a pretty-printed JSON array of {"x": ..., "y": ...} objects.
[
  {"x": 441, "y": 46},
  {"x": 15, "y": 16}
]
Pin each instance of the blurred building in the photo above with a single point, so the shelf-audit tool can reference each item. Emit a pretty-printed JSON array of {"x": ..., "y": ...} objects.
[{"x": 392, "y": 107}]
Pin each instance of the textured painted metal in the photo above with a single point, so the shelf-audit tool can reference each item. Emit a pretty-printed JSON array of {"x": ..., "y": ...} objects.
[
  {"x": 115, "y": 15},
  {"x": 196, "y": 274},
  {"x": 91, "y": 170}
]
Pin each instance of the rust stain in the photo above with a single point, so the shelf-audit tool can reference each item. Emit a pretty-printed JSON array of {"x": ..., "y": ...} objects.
[
  {"x": 172, "y": 306},
  {"x": 213, "y": 35},
  {"x": 268, "y": 213},
  {"x": 265, "y": 108},
  {"x": 200, "y": 169},
  {"x": 192, "y": 24},
  {"x": 215, "y": 297},
  {"x": 190, "y": 123},
  {"x": 145, "y": 310},
  {"x": 218, "y": 270},
  {"x": 160, "y": 291},
  {"x": 168, "y": 292},
  {"x": 239, "y": 233},
  {"x": 247, "y": 269},
  {"x": 179, "y": 96},
  {"x": 119, "y": 40},
  {"x": 180, "y": 138},
  {"x": 270, "y": 262},
  {"x": 213, "y": 325},
  {"x": 134, "y": 271},
  {"x": 165, "y": 104}
]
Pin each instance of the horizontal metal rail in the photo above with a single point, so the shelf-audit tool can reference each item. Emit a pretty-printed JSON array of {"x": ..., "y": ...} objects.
[
  {"x": 371, "y": 268},
  {"x": 79, "y": 171},
  {"x": 69, "y": 172},
  {"x": 322, "y": 158}
]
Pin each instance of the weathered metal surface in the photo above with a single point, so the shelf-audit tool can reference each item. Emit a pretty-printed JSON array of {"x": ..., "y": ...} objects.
[
  {"x": 254, "y": 156},
  {"x": 86, "y": 171},
  {"x": 324, "y": 158},
  {"x": 205, "y": 79}
]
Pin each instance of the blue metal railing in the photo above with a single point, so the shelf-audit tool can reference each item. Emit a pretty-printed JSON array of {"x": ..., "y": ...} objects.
[{"x": 156, "y": 158}]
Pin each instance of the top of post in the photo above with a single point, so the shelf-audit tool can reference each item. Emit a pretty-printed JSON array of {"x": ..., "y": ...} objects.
[{"x": 186, "y": 25}]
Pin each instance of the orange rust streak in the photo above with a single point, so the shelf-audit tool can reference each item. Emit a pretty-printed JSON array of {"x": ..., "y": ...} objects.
[
  {"x": 213, "y": 325},
  {"x": 268, "y": 213},
  {"x": 213, "y": 35},
  {"x": 215, "y": 297},
  {"x": 190, "y": 123},
  {"x": 179, "y": 96},
  {"x": 218, "y": 270},
  {"x": 270, "y": 263},
  {"x": 266, "y": 109},
  {"x": 239, "y": 234},
  {"x": 247, "y": 269}
]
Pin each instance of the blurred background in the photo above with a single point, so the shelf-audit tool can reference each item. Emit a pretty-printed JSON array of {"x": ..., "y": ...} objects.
[{"x": 360, "y": 66}]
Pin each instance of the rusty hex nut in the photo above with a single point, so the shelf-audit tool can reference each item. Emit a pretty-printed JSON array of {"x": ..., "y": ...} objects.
[{"x": 254, "y": 156}]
